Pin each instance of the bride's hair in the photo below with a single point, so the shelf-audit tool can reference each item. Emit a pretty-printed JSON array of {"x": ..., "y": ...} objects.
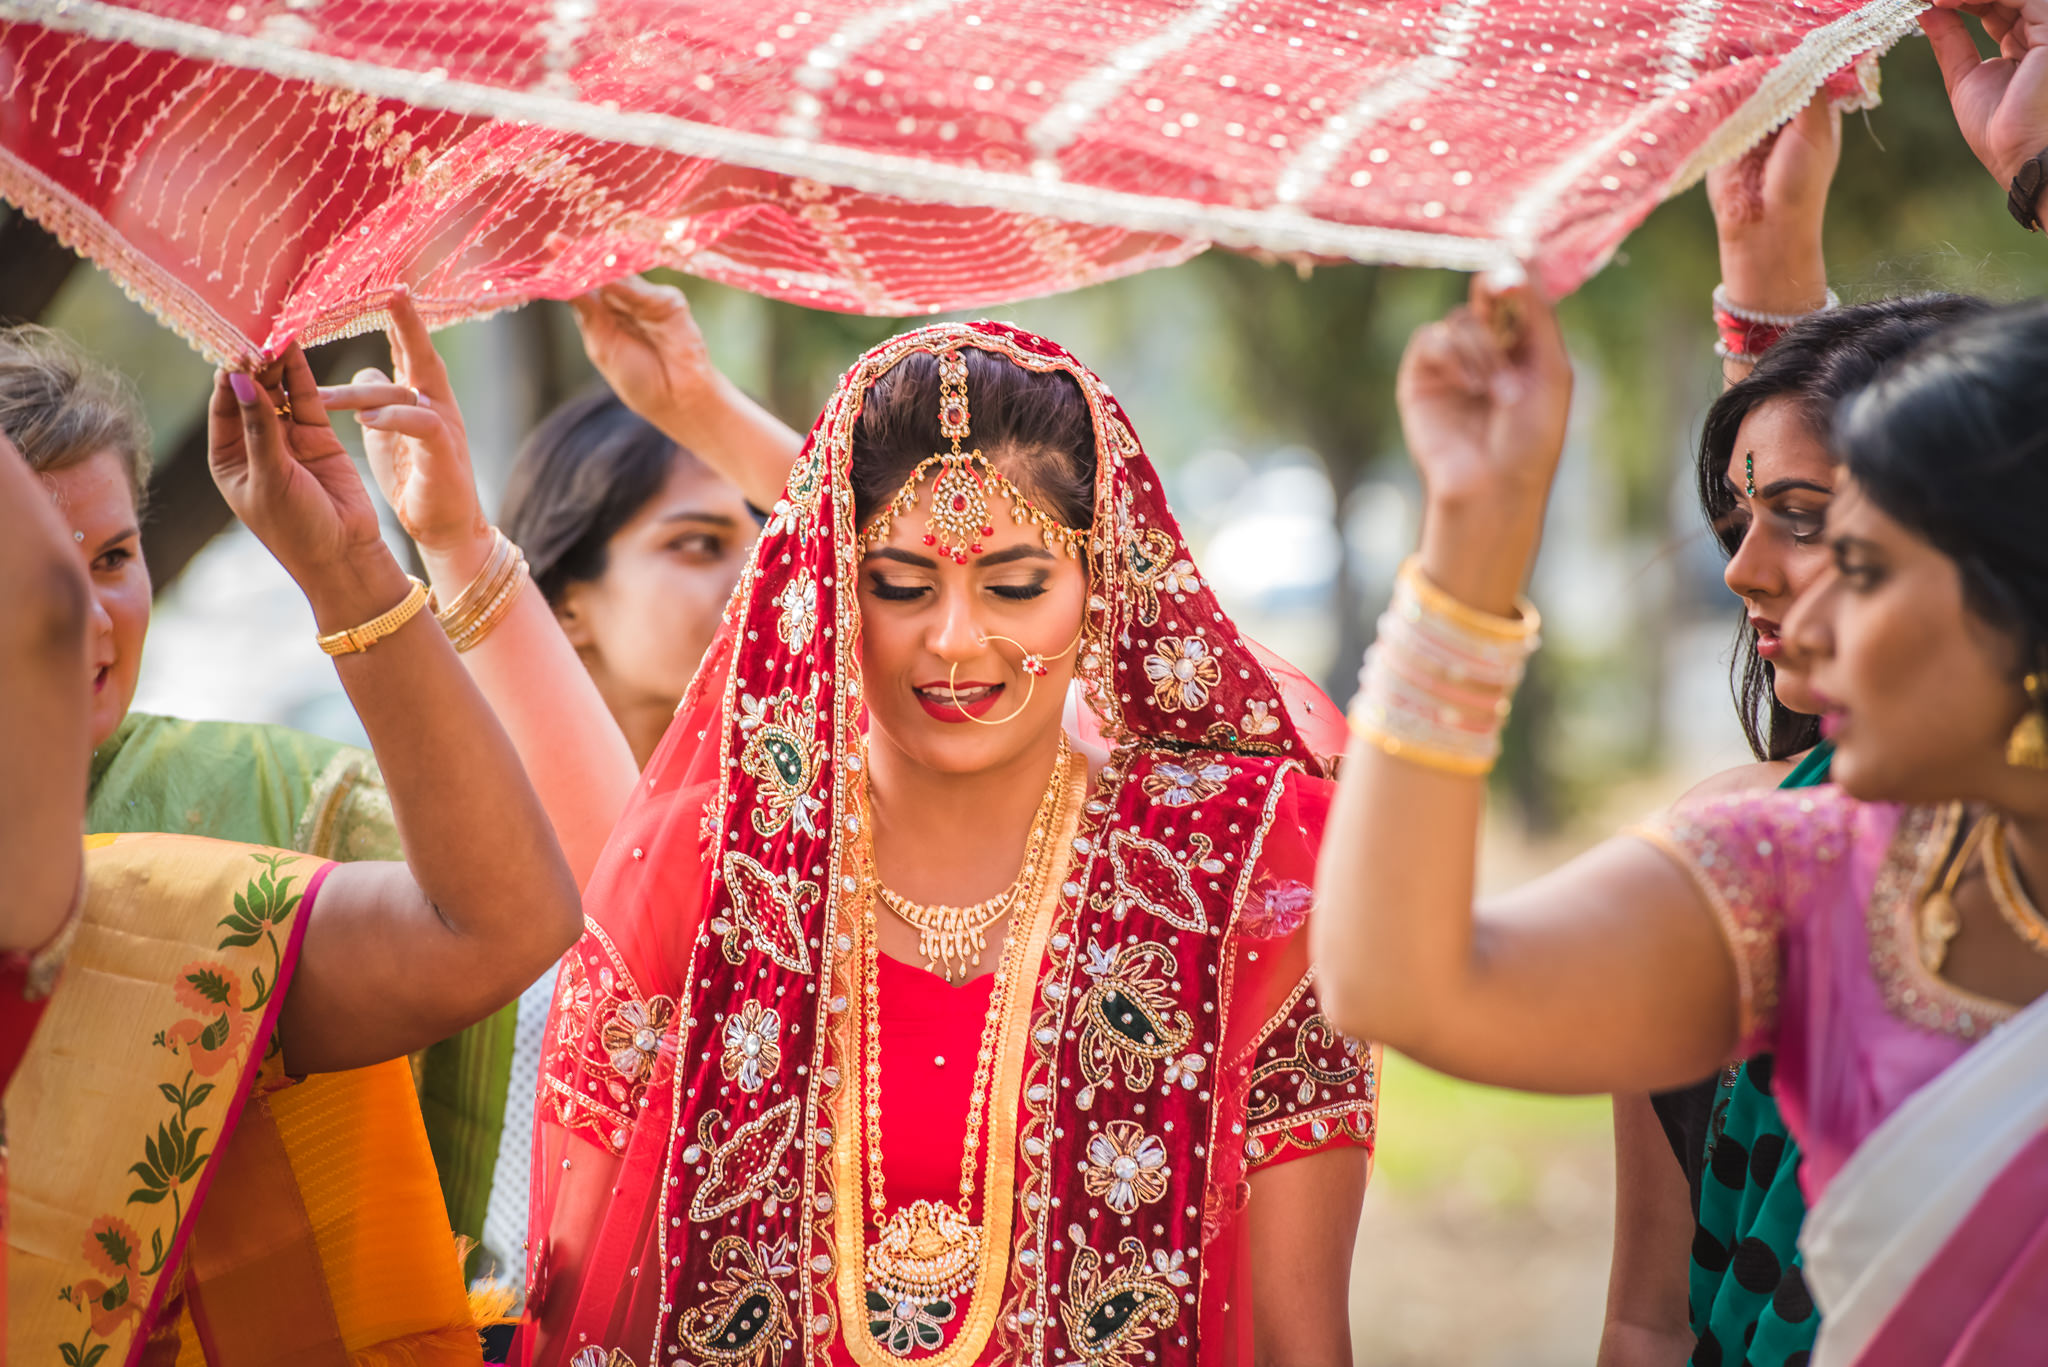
[
  {"x": 1033, "y": 425},
  {"x": 1950, "y": 442}
]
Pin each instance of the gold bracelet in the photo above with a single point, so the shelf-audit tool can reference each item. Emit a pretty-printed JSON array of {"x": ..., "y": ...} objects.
[
  {"x": 1525, "y": 623},
  {"x": 361, "y": 638},
  {"x": 1443, "y": 761},
  {"x": 479, "y": 590},
  {"x": 486, "y": 621}
]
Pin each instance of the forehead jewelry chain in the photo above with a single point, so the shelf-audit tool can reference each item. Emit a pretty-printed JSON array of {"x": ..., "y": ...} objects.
[{"x": 959, "y": 519}]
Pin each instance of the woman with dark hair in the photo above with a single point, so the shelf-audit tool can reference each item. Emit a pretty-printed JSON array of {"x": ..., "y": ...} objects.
[
  {"x": 635, "y": 543},
  {"x": 216, "y": 1147},
  {"x": 903, "y": 1032},
  {"x": 1765, "y": 478},
  {"x": 1877, "y": 937}
]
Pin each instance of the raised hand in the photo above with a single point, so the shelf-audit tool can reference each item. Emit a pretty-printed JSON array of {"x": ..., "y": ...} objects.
[
  {"x": 285, "y": 474},
  {"x": 413, "y": 433},
  {"x": 1484, "y": 395},
  {"x": 1769, "y": 206},
  {"x": 2001, "y": 103},
  {"x": 644, "y": 341}
]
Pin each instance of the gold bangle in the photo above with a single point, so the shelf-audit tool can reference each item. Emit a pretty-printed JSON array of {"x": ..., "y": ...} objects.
[
  {"x": 494, "y": 612},
  {"x": 361, "y": 638},
  {"x": 1429, "y": 757},
  {"x": 1525, "y": 623},
  {"x": 479, "y": 590}
]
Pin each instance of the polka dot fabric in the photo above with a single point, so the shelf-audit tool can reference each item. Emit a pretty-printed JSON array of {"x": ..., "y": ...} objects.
[{"x": 268, "y": 169}]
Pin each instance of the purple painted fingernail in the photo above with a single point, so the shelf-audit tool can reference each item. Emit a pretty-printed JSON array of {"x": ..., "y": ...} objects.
[{"x": 244, "y": 387}]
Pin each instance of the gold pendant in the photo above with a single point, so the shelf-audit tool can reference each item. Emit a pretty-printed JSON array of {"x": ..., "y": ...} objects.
[
  {"x": 925, "y": 1251},
  {"x": 1939, "y": 923}
]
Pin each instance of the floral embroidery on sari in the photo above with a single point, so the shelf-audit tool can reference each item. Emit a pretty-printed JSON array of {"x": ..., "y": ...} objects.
[
  {"x": 229, "y": 1003},
  {"x": 609, "y": 1042},
  {"x": 1309, "y": 1085}
]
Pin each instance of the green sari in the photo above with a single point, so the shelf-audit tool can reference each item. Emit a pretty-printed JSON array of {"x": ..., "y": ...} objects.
[
  {"x": 1748, "y": 1294},
  {"x": 270, "y": 785}
]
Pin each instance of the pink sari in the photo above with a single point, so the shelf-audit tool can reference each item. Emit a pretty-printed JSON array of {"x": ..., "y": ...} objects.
[
  {"x": 1818, "y": 896},
  {"x": 694, "y": 1133}
]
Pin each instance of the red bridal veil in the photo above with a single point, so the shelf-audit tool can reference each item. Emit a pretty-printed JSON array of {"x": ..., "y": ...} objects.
[{"x": 259, "y": 170}]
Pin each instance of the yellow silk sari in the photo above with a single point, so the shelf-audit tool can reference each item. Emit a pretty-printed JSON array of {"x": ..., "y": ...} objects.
[{"x": 175, "y": 1198}]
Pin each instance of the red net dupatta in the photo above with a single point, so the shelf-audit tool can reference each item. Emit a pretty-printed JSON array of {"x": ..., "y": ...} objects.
[
  {"x": 685, "y": 1203},
  {"x": 259, "y": 170}
]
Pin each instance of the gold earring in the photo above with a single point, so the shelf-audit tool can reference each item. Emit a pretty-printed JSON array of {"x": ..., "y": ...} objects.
[{"x": 2027, "y": 746}]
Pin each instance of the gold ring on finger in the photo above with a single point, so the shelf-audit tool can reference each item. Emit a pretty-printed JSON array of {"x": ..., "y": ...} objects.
[{"x": 284, "y": 410}]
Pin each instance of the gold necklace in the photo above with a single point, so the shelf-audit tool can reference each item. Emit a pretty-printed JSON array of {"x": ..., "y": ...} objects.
[
  {"x": 908, "y": 1285},
  {"x": 952, "y": 939},
  {"x": 1939, "y": 920},
  {"x": 2012, "y": 901}
]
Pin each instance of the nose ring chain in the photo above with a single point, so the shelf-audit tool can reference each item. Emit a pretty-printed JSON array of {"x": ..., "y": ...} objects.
[{"x": 1034, "y": 665}]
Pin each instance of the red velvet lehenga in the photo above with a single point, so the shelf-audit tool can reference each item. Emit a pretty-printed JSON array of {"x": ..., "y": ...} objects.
[{"x": 695, "y": 1127}]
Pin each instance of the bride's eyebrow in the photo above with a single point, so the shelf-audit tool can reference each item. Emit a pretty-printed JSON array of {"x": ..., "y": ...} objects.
[
  {"x": 910, "y": 558},
  {"x": 1022, "y": 551}
]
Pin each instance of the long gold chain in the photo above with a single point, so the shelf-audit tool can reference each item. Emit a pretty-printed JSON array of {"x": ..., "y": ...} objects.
[
  {"x": 2012, "y": 900},
  {"x": 1029, "y": 879}
]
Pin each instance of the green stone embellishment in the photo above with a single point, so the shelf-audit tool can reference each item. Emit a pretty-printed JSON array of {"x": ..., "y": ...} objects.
[{"x": 904, "y": 1324}]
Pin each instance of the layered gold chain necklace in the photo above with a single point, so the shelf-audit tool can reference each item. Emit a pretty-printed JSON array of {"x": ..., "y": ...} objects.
[{"x": 908, "y": 1285}]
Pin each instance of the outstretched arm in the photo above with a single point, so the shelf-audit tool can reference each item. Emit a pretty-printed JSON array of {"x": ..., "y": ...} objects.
[
  {"x": 45, "y": 741},
  {"x": 1607, "y": 975},
  {"x": 568, "y": 740},
  {"x": 1769, "y": 206},
  {"x": 396, "y": 956},
  {"x": 642, "y": 339}
]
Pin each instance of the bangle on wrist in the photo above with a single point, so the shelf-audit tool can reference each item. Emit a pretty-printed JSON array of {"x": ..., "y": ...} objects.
[
  {"x": 1747, "y": 334},
  {"x": 356, "y": 639},
  {"x": 2023, "y": 200},
  {"x": 1436, "y": 685},
  {"x": 486, "y": 599}
]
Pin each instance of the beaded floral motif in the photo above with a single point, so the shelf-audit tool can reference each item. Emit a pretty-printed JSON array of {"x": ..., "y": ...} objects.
[
  {"x": 1126, "y": 1166},
  {"x": 1308, "y": 1083},
  {"x": 1155, "y": 571},
  {"x": 1182, "y": 670},
  {"x": 752, "y": 1051},
  {"x": 600, "y": 1357},
  {"x": 799, "y": 604},
  {"x": 594, "y": 1069},
  {"x": 635, "y": 1035},
  {"x": 1178, "y": 785}
]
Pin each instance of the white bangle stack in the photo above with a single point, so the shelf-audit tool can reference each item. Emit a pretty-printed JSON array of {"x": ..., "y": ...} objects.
[{"x": 1436, "y": 684}]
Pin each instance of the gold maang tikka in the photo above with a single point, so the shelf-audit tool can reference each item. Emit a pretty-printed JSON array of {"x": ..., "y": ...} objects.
[{"x": 959, "y": 517}]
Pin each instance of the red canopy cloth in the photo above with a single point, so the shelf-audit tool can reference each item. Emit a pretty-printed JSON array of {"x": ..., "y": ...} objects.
[{"x": 258, "y": 170}]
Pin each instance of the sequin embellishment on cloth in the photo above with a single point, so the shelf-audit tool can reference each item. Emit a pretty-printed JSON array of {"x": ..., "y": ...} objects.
[
  {"x": 1129, "y": 1021},
  {"x": 782, "y": 753},
  {"x": 745, "y": 1318},
  {"x": 746, "y": 1165},
  {"x": 1110, "y": 1318}
]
